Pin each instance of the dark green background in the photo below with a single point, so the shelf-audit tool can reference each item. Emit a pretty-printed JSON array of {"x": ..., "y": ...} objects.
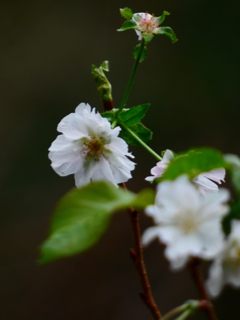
[{"x": 47, "y": 48}]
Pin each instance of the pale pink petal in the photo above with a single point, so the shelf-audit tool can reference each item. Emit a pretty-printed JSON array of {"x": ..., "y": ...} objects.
[{"x": 217, "y": 175}]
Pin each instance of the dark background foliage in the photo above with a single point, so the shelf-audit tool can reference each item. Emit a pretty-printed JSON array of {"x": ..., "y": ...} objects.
[{"x": 47, "y": 48}]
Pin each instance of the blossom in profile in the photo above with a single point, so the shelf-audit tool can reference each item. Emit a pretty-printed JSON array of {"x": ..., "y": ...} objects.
[
  {"x": 203, "y": 180},
  {"x": 186, "y": 221},
  {"x": 90, "y": 149},
  {"x": 226, "y": 267},
  {"x": 161, "y": 166},
  {"x": 146, "y": 24}
]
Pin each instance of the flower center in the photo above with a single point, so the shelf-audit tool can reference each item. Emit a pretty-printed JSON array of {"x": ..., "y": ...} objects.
[
  {"x": 148, "y": 25},
  {"x": 231, "y": 260},
  {"x": 188, "y": 226},
  {"x": 186, "y": 222},
  {"x": 233, "y": 253},
  {"x": 93, "y": 147}
]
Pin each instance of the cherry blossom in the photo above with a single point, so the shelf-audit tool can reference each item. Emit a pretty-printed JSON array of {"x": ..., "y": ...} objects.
[
  {"x": 90, "y": 149},
  {"x": 188, "y": 222},
  {"x": 161, "y": 166},
  {"x": 146, "y": 23}
]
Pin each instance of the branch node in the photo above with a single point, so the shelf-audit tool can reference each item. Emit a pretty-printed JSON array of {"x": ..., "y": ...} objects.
[
  {"x": 133, "y": 255},
  {"x": 204, "y": 304}
]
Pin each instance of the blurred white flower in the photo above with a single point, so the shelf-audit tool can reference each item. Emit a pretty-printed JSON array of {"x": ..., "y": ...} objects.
[
  {"x": 226, "y": 267},
  {"x": 203, "y": 180},
  {"x": 186, "y": 221},
  {"x": 90, "y": 149},
  {"x": 146, "y": 23},
  {"x": 161, "y": 166}
]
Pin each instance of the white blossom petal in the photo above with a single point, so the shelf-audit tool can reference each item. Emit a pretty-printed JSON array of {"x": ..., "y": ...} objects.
[
  {"x": 217, "y": 175},
  {"x": 149, "y": 235},
  {"x": 215, "y": 282},
  {"x": 226, "y": 267},
  {"x": 82, "y": 106},
  {"x": 205, "y": 184},
  {"x": 177, "y": 263}
]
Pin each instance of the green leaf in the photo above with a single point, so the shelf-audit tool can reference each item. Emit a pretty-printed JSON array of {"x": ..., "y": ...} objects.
[
  {"x": 147, "y": 37},
  {"x": 138, "y": 129},
  {"x": 163, "y": 16},
  {"x": 144, "y": 198},
  {"x": 110, "y": 115},
  {"x": 233, "y": 163},
  {"x": 193, "y": 163},
  {"x": 136, "y": 52},
  {"x": 105, "y": 66},
  {"x": 233, "y": 214},
  {"x": 126, "y": 13},
  {"x": 134, "y": 115},
  {"x": 82, "y": 216},
  {"x": 129, "y": 24},
  {"x": 168, "y": 32}
]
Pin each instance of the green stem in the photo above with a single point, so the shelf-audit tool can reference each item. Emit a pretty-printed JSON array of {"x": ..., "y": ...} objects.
[
  {"x": 129, "y": 86},
  {"x": 143, "y": 144},
  {"x": 115, "y": 122},
  {"x": 185, "y": 309},
  {"x": 174, "y": 312},
  {"x": 184, "y": 315}
]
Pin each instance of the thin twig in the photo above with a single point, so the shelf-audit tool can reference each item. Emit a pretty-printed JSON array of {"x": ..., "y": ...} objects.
[
  {"x": 137, "y": 255},
  {"x": 194, "y": 266}
]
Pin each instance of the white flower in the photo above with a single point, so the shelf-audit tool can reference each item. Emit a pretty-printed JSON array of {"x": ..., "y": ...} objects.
[
  {"x": 202, "y": 180},
  {"x": 206, "y": 185},
  {"x": 161, "y": 166},
  {"x": 146, "y": 23},
  {"x": 186, "y": 221},
  {"x": 90, "y": 149},
  {"x": 226, "y": 267}
]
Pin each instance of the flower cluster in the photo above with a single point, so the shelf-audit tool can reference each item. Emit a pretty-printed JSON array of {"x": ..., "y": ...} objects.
[
  {"x": 90, "y": 149},
  {"x": 188, "y": 220},
  {"x": 187, "y": 213}
]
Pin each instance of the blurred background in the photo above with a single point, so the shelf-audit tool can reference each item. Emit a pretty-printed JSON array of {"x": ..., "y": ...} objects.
[{"x": 47, "y": 48}]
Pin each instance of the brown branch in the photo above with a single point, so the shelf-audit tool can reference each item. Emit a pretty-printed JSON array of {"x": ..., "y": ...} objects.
[
  {"x": 194, "y": 266},
  {"x": 137, "y": 255}
]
